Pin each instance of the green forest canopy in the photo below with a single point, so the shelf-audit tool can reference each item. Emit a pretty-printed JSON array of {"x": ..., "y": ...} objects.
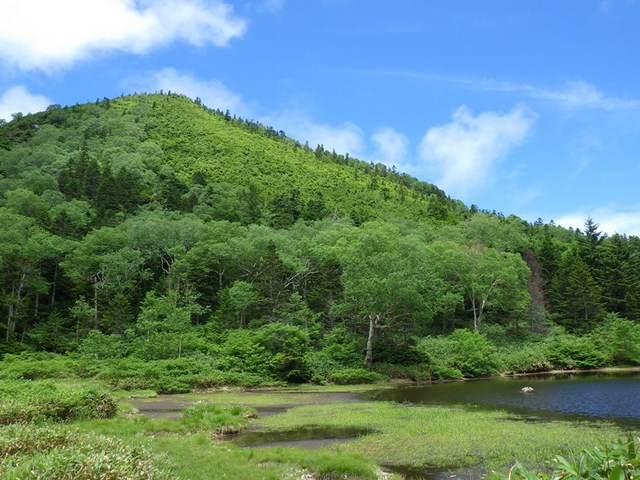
[{"x": 162, "y": 228}]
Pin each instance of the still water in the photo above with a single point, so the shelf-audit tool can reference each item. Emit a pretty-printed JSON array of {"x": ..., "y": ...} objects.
[{"x": 590, "y": 396}]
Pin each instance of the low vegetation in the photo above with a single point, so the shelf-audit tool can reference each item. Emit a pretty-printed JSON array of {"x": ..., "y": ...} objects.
[
  {"x": 28, "y": 451},
  {"x": 619, "y": 460},
  {"x": 22, "y": 402}
]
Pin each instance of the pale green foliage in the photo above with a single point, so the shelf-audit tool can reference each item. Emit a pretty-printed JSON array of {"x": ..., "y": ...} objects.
[{"x": 28, "y": 452}]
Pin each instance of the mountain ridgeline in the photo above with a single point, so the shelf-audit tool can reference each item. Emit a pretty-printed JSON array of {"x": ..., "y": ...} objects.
[{"x": 152, "y": 227}]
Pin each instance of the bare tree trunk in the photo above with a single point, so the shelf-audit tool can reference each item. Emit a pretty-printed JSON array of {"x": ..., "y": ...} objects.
[
  {"x": 14, "y": 306},
  {"x": 373, "y": 323},
  {"x": 476, "y": 317}
]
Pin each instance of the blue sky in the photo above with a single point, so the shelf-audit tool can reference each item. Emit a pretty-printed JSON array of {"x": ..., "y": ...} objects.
[{"x": 530, "y": 108}]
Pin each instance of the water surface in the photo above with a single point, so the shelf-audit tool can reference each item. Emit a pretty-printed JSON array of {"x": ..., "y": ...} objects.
[{"x": 611, "y": 396}]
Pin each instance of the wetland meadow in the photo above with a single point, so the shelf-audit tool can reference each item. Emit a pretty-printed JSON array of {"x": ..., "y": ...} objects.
[{"x": 471, "y": 429}]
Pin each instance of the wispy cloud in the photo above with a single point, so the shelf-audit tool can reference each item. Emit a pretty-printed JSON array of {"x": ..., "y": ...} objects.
[
  {"x": 46, "y": 35},
  {"x": 390, "y": 147},
  {"x": 19, "y": 99},
  {"x": 464, "y": 152},
  {"x": 611, "y": 219},
  {"x": 575, "y": 95},
  {"x": 572, "y": 94}
]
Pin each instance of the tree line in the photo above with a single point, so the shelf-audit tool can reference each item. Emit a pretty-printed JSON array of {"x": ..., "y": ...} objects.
[{"x": 157, "y": 223}]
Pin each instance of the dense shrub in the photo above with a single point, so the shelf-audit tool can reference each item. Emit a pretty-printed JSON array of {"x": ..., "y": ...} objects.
[
  {"x": 354, "y": 376},
  {"x": 416, "y": 373},
  {"x": 274, "y": 351},
  {"x": 618, "y": 338},
  {"x": 176, "y": 375},
  {"x": 99, "y": 346},
  {"x": 530, "y": 358},
  {"x": 29, "y": 452},
  {"x": 22, "y": 402},
  {"x": 565, "y": 351},
  {"x": 463, "y": 352},
  {"x": 35, "y": 366}
]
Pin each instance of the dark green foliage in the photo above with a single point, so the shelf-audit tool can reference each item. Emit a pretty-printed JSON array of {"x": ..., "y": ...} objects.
[{"x": 149, "y": 230}]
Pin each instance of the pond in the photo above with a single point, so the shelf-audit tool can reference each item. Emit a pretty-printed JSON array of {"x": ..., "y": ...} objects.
[{"x": 601, "y": 395}]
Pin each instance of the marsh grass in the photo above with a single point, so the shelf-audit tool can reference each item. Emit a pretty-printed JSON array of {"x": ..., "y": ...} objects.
[
  {"x": 32, "y": 452},
  {"x": 196, "y": 454},
  {"x": 196, "y": 458},
  {"x": 445, "y": 437}
]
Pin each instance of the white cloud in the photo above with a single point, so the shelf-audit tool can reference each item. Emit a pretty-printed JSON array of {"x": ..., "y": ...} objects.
[
  {"x": 585, "y": 95},
  {"x": 213, "y": 93},
  {"x": 45, "y": 34},
  {"x": 611, "y": 220},
  {"x": 465, "y": 151},
  {"x": 575, "y": 95},
  {"x": 343, "y": 138},
  {"x": 391, "y": 146},
  {"x": 19, "y": 99}
]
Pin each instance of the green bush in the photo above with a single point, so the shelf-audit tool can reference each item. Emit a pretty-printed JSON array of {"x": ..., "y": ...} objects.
[
  {"x": 216, "y": 419},
  {"x": 29, "y": 452},
  {"x": 525, "y": 358},
  {"x": 618, "y": 338},
  {"x": 170, "y": 385},
  {"x": 463, "y": 351},
  {"x": 22, "y": 402},
  {"x": 35, "y": 366},
  {"x": 569, "y": 352},
  {"x": 97, "y": 345},
  {"x": 354, "y": 376},
  {"x": 416, "y": 373}
]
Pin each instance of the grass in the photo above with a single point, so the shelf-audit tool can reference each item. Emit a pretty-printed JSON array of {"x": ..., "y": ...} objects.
[
  {"x": 423, "y": 436},
  {"x": 446, "y": 437},
  {"x": 196, "y": 457},
  {"x": 35, "y": 452},
  {"x": 430, "y": 437}
]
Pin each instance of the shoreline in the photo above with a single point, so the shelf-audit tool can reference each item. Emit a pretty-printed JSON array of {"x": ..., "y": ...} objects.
[{"x": 565, "y": 372}]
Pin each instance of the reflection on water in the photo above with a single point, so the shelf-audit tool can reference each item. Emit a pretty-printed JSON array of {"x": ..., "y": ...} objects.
[
  {"x": 597, "y": 396},
  {"x": 306, "y": 437}
]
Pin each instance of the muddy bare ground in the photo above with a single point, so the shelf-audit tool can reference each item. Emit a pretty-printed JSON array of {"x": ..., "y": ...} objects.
[{"x": 172, "y": 405}]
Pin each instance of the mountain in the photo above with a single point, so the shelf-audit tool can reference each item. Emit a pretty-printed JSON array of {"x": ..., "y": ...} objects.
[
  {"x": 156, "y": 139},
  {"x": 150, "y": 226}
]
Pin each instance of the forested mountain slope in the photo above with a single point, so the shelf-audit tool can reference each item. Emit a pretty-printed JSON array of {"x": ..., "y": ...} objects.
[{"x": 152, "y": 227}]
